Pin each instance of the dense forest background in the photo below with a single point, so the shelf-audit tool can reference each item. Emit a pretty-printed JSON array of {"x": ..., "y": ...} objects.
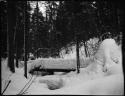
[{"x": 27, "y": 29}]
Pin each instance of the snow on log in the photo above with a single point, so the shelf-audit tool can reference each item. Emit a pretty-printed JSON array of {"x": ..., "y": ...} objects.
[
  {"x": 53, "y": 64},
  {"x": 69, "y": 64}
]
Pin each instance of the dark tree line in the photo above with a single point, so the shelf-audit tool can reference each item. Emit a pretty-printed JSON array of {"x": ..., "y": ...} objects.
[
  {"x": 65, "y": 22},
  {"x": 3, "y": 7},
  {"x": 14, "y": 26}
]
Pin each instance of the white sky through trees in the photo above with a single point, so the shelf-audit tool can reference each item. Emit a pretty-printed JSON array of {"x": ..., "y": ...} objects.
[{"x": 41, "y": 5}]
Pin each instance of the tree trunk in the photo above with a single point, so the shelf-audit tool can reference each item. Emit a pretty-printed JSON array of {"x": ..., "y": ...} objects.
[
  {"x": 16, "y": 40},
  {"x": 10, "y": 34},
  {"x": 85, "y": 49},
  {"x": 25, "y": 38},
  {"x": 16, "y": 45},
  {"x": 38, "y": 45},
  {"x": 77, "y": 54},
  {"x": 17, "y": 56}
]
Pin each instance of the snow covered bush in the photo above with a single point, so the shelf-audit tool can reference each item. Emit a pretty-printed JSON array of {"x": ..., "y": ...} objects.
[
  {"x": 93, "y": 45},
  {"x": 107, "y": 58},
  {"x": 109, "y": 53}
]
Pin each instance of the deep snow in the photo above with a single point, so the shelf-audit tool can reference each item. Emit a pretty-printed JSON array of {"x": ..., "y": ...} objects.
[{"x": 102, "y": 76}]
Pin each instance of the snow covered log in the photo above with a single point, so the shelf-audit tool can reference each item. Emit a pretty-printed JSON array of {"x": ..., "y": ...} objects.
[{"x": 57, "y": 64}]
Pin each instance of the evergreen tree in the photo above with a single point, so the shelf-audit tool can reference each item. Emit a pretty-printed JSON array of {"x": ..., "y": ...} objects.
[{"x": 38, "y": 33}]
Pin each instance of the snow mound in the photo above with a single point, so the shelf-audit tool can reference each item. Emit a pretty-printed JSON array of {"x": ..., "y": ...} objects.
[{"x": 53, "y": 83}]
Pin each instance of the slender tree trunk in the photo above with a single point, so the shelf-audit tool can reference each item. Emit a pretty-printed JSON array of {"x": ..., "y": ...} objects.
[
  {"x": 17, "y": 49},
  {"x": 16, "y": 40},
  {"x": 16, "y": 45},
  {"x": 77, "y": 55},
  {"x": 10, "y": 34},
  {"x": 25, "y": 39},
  {"x": 17, "y": 56},
  {"x": 38, "y": 45},
  {"x": 85, "y": 49}
]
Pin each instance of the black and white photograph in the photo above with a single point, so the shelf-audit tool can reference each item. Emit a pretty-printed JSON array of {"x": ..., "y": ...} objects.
[{"x": 70, "y": 47}]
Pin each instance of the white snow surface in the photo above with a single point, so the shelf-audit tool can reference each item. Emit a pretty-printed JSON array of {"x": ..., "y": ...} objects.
[{"x": 92, "y": 80}]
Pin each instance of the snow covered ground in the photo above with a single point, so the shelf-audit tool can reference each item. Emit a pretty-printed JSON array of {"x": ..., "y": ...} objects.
[{"x": 102, "y": 76}]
